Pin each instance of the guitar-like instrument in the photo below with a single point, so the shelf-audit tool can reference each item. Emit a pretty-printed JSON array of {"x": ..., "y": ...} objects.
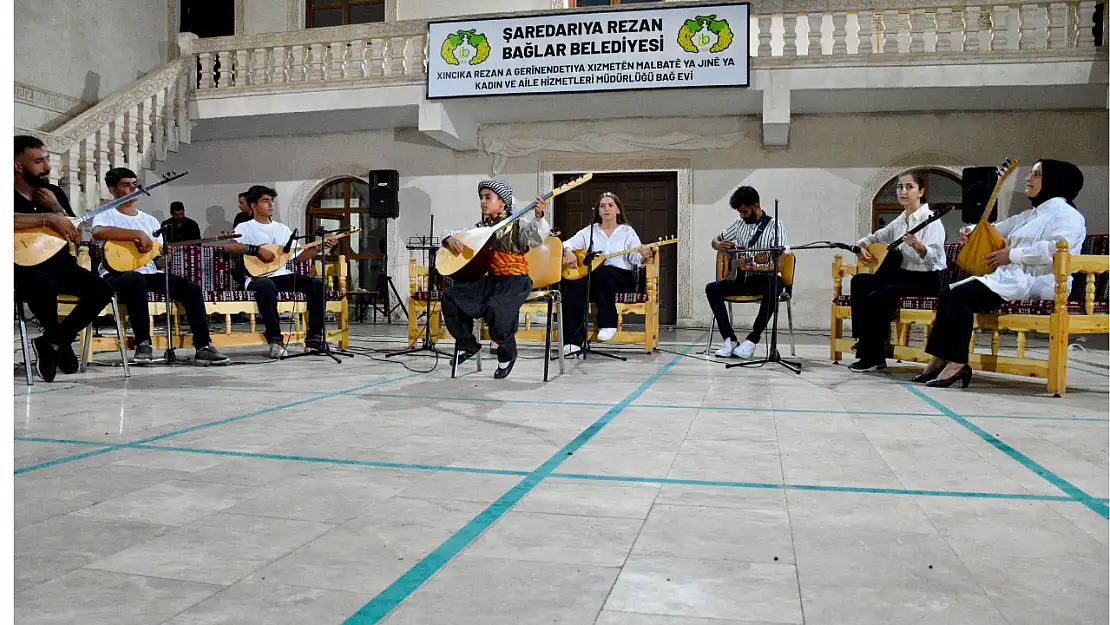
[
  {"x": 123, "y": 256},
  {"x": 887, "y": 258},
  {"x": 579, "y": 272},
  {"x": 478, "y": 243},
  {"x": 258, "y": 269},
  {"x": 985, "y": 238},
  {"x": 730, "y": 263},
  {"x": 38, "y": 244}
]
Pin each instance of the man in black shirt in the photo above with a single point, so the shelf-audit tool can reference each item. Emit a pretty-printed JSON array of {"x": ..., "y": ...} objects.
[
  {"x": 245, "y": 212},
  {"x": 39, "y": 205},
  {"x": 181, "y": 228}
]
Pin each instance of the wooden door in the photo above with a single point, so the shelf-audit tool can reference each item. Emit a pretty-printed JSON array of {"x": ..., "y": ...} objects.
[{"x": 650, "y": 206}]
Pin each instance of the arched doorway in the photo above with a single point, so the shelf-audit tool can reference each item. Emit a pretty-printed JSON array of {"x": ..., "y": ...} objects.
[
  {"x": 942, "y": 188},
  {"x": 344, "y": 202}
]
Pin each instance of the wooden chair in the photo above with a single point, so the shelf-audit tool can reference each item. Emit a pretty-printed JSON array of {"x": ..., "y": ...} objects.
[
  {"x": 545, "y": 266},
  {"x": 424, "y": 296},
  {"x": 789, "y": 261}
]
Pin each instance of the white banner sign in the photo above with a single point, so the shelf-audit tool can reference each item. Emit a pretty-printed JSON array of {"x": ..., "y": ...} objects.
[{"x": 696, "y": 46}]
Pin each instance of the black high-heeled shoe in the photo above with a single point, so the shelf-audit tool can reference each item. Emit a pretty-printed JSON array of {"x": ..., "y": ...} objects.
[
  {"x": 963, "y": 375},
  {"x": 923, "y": 378}
]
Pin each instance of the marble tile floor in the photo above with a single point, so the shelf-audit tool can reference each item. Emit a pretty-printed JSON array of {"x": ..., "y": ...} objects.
[{"x": 665, "y": 490}]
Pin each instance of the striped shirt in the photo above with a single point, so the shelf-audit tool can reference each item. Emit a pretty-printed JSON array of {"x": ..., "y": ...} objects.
[{"x": 741, "y": 232}]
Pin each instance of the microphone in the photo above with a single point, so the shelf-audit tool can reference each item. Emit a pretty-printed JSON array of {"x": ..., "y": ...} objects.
[{"x": 289, "y": 243}]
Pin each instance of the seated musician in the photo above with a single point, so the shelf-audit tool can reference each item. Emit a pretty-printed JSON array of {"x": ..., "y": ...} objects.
[
  {"x": 875, "y": 296},
  {"x": 1021, "y": 270},
  {"x": 611, "y": 233},
  {"x": 40, "y": 205},
  {"x": 263, "y": 230},
  {"x": 752, "y": 229},
  {"x": 498, "y": 295},
  {"x": 127, "y": 223}
]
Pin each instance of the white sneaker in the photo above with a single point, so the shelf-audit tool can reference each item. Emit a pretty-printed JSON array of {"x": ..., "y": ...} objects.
[
  {"x": 726, "y": 349},
  {"x": 570, "y": 349},
  {"x": 604, "y": 334},
  {"x": 746, "y": 349}
]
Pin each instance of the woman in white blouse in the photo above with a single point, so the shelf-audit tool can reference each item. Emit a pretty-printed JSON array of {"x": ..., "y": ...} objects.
[
  {"x": 611, "y": 233},
  {"x": 875, "y": 297},
  {"x": 1021, "y": 270}
]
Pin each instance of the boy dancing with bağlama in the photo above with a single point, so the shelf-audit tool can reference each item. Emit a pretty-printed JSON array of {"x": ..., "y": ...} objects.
[
  {"x": 263, "y": 230},
  {"x": 498, "y": 295}
]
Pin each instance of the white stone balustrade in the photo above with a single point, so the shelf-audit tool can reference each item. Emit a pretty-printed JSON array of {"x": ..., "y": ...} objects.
[{"x": 382, "y": 52}]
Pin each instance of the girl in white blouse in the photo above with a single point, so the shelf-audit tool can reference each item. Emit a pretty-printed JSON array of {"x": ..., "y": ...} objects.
[
  {"x": 875, "y": 296},
  {"x": 1021, "y": 270},
  {"x": 611, "y": 233}
]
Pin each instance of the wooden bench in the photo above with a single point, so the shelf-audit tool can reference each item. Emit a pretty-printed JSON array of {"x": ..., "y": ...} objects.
[
  {"x": 217, "y": 272},
  {"x": 1084, "y": 313},
  {"x": 646, "y": 304}
]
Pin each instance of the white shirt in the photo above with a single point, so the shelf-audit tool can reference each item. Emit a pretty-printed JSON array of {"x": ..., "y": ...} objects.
[
  {"x": 624, "y": 237},
  {"x": 254, "y": 233},
  {"x": 138, "y": 221},
  {"x": 1031, "y": 237},
  {"x": 932, "y": 237}
]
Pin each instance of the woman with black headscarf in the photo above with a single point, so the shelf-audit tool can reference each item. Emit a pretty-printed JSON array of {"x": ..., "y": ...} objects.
[{"x": 1021, "y": 270}]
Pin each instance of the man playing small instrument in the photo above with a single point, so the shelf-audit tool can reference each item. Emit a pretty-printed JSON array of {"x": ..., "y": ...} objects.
[
  {"x": 263, "y": 230},
  {"x": 498, "y": 295},
  {"x": 128, "y": 223},
  {"x": 752, "y": 229},
  {"x": 39, "y": 205}
]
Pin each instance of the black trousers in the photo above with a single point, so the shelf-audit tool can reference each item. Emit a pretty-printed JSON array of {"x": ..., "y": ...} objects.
[
  {"x": 266, "y": 297},
  {"x": 950, "y": 338},
  {"x": 39, "y": 287},
  {"x": 133, "y": 287},
  {"x": 875, "y": 303},
  {"x": 605, "y": 282},
  {"x": 497, "y": 299},
  {"x": 756, "y": 283}
]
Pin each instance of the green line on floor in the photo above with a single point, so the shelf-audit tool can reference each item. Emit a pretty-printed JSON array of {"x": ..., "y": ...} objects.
[{"x": 1027, "y": 462}]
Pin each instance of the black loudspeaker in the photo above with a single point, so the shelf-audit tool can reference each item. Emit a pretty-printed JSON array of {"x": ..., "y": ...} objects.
[
  {"x": 383, "y": 193},
  {"x": 978, "y": 184}
]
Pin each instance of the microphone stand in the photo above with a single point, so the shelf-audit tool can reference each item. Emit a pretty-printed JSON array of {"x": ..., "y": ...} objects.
[
  {"x": 433, "y": 280},
  {"x": 586, "y": 349},
  {"x": 328, "y": 351},
  {"x": 170, "y": 356},
  {"x": 773, "y": 355}
]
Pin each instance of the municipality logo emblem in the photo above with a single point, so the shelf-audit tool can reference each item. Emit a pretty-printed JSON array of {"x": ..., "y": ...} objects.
[
  {"x": 705, "y": 33},
  {"x": 466, "y": 47}
]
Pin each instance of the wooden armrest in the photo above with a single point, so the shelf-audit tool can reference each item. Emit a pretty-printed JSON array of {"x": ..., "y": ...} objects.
[{"x": 1090, "y": 263}]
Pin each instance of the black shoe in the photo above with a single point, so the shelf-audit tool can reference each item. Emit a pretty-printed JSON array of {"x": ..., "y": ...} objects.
[
  {"x": 144, "y": 353},
  {"x": 503, "y": 372},
  {"x": 863, "y": 366},
  {"x": 963, "y": 376},
  {"x": 67, "y": 360},
  {"x": 210, "y": 356},
  {"x": 922, "y": 378},
  {"x": 462, "y": 356},
  {"x": 46, "y": 359},
  {"x": 317, "y": 346}
]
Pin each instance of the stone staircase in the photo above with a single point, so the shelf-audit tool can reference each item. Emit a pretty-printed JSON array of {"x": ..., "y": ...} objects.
[{"x": 135, "y": 127}]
